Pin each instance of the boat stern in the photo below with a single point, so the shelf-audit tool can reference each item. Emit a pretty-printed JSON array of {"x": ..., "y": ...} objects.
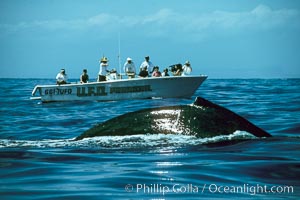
[{"x": 34, "y": 92}]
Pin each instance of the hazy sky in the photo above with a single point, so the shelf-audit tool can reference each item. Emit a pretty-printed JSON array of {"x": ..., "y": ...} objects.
[{"x": 221, "y": 38}]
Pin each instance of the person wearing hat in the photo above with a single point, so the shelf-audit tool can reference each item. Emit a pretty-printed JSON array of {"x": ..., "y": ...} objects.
[
  {"x": 61, "y": 77},
  {"x": 84, "y": 78},
  {"x": 103, "y": 69},
  {"x": 147, "y": 63},
  {"x": 187, "y": 69},
  {"x": 129, "y": 68}
]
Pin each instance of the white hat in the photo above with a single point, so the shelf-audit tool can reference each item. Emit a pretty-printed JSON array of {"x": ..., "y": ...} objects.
[
  {"x": 128, "y": 59},
  {"x": 104, "y": 59},
  {"x": 187, "y": 62}
]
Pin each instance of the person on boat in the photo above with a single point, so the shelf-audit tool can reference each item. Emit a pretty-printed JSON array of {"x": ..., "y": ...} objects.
[
  {"x": 84, "y": 78},
  {"x": 156, "y": 72},
  {"x": 129, "y": 68},
  {"x": 103, "y": 69},
  {"x": 177, "y": 70},
  {"x": 61, "y": 77},
  {"x": 144, "y": 73},
  {"x": 147, "y": 63},
  {"x": 165, "y": 72},
  {"x": 187, "y": 69}
]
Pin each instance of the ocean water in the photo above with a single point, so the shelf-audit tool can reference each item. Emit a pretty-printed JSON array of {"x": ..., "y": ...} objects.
[{"x": 40, "y": 160}]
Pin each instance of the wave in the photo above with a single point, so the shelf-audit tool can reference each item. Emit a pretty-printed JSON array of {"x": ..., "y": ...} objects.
[{"x": 132, "y": 141}]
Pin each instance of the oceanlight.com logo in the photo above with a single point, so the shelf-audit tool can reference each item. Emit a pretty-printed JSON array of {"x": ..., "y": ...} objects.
[{"x": 208, "y": 188}]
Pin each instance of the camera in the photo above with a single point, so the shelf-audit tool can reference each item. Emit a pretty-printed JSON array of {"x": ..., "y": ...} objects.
[{"x": 175, "y": 67}]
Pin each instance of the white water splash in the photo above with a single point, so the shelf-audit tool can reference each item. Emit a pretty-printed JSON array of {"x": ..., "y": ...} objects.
[{"x": 125, "y": 141}]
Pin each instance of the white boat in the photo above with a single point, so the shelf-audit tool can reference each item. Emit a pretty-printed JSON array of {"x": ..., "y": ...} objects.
[{"x": 121, "y": 89}]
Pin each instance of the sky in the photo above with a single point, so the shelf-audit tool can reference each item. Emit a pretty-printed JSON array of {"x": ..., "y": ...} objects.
[{"x": 220, "y": 38}]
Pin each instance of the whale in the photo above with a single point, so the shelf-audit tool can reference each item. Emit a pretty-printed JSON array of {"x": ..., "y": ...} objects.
[{"x": 201, "y": 119}]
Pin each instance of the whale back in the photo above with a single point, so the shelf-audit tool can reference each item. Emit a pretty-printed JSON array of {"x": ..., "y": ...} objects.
[
  {"x": 201, "y": 119},
  {"x": 242, "y": 123}
]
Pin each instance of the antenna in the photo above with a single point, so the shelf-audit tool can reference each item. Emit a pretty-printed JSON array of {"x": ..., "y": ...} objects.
[{"x": 119, "y": 55}]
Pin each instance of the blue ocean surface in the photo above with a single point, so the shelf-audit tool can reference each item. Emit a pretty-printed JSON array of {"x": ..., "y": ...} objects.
[{"x": 39, "y": 158}]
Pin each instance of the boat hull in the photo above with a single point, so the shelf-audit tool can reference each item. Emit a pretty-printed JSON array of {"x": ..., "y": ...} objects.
[{"x": 137, "y": 88}]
